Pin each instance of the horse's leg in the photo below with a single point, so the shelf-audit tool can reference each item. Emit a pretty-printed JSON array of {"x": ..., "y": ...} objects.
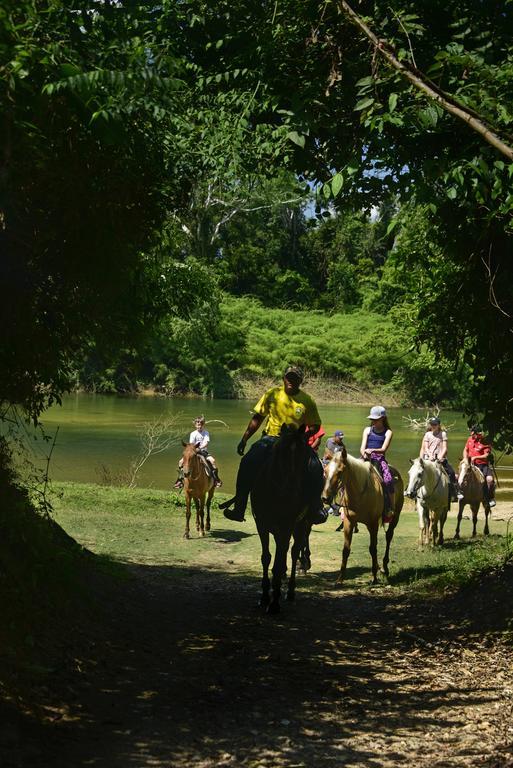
[
  {"x": 461, "y": 506},
  {"x": 279, "y": 569},
  {"x": 265, "y": 559},
  {"x": 433, "y": 524},
  {"x": 442, "y": 518},
  {"x": 389, "y": 536},
  {"x": 197, "y": 505},
  {"x": 349, "y": 525},
  {"x": 187, "y": 534},
  {"x": 373, "y": 550},
  {"x": 487, "y": 512},
  {"x": 305, "y": 554},
  {"x": 209, "y": 502},
  {"x": 475, "y": 510},
  {"x": 201, "y": 514},
  {"x": 299, "y": 535}
]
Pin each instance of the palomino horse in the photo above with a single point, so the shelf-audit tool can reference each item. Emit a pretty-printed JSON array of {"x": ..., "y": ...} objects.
[
  {"x": 198, "y": 485},
  {"x": 428, "y": 484},
  {"x": 472, "y": 486},
  {"x": 363, "y": 502},
  {"x": 279, "y": 501}
]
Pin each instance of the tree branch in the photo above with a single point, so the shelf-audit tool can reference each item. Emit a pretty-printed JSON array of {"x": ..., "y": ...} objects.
[{"x": 420, "y": 81}]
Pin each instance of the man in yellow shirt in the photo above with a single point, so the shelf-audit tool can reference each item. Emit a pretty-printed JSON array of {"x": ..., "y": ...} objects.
[{"x": 285, "y": 404}]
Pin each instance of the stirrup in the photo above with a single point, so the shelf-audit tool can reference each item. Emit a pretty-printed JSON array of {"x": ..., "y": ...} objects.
[{"x": 226, "y": 504}]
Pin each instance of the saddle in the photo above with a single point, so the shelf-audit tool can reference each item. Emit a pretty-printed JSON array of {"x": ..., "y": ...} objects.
[{"x": 207, "y": 466}]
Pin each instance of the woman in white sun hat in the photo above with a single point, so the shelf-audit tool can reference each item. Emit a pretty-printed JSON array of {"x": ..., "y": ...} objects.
[{"x": 375, "y": 442}]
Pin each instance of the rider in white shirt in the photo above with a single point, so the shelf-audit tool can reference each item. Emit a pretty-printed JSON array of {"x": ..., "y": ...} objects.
[{"x": 201, "y": 437}]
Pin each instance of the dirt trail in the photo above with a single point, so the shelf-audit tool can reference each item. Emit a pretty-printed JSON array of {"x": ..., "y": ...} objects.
[{"x": 187, "y": 671}]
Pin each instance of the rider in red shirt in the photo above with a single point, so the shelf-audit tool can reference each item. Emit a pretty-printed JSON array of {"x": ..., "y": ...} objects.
[{"x": 478, "y": 451}]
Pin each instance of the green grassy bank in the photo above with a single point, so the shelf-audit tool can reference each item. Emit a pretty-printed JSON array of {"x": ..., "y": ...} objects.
[{"x": 147, "y": 526}]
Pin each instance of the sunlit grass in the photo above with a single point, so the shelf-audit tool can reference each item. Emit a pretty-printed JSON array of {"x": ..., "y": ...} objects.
[{"x": 147, "y": 526}]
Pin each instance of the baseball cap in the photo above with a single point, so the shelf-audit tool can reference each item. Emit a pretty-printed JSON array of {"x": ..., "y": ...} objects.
[
  {"x": 377, "y": 412},
  {"x": 434, "y": 420},
  {"x": 339, "y": 433},
  {"x": 293, "y": 370}
]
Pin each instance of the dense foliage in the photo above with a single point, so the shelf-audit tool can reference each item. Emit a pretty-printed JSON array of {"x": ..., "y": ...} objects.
[{"x": 142, "y": 145}]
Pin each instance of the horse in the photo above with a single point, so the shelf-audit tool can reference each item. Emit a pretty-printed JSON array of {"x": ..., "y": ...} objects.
[
  {"x": 472, "y": 487},
  {"x": 363, "y": 501},
  {"x": 279, "y": 502},
  {"x": 428, "y": 484},
  {"x": 199, "y": 485}
]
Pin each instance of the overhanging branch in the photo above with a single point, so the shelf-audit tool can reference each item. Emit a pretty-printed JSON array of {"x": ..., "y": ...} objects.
[{"x": 420, "y": 81}]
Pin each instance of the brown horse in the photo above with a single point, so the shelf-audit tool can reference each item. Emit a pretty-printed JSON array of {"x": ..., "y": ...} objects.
[
  {"x": 472, "y": 486},
  {"x": 279, "y": 503},
  {"x": 363, "y": 502},
  {"x": 198, "y": 485}
]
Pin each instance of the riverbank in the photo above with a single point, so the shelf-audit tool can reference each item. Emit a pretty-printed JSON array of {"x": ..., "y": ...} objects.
[{"x": 323, "y": 389}]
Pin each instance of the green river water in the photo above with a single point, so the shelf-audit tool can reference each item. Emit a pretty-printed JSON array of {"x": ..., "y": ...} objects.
[{"x": 98, "y": 432}]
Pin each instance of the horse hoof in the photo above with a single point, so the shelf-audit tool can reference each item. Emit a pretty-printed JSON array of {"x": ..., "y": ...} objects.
[
  {"x": 207, "y": 527},
  {"x": 202, "y": 533},
  {"x": 456, "y": 535},
  {"x": 187, "y": 535}
]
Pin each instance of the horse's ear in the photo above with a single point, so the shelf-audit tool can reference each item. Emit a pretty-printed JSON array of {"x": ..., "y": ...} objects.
[
  {"x": 343, "y": 451},
  {"x": 411, "y": 461},
  {"x": 184, "y": 443},
  {"x": 421, "y": 462}
]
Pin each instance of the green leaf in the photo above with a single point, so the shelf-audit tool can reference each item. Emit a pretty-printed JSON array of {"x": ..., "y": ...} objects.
[
  {"x": 393, "y": 224},
  {"x": 297, "y": 138},
  {"x": 337, "y": 183},
  {"x": 364, "y": 103},
  {"x": 392, "y": 101},
  {"x": 452, "y": 193}
]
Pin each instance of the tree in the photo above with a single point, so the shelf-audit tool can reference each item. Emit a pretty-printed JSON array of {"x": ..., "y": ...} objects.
[{"x": 369, "y": 132}]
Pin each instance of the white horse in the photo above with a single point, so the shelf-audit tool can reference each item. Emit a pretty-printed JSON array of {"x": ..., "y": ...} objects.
[{"x": 428, "y": 484}]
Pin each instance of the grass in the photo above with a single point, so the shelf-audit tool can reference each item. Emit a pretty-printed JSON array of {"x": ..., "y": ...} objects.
[{"x": 145, "y": 525}]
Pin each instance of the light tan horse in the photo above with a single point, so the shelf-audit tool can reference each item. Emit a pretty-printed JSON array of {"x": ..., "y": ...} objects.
[
  {"x": 472, "y": 486},
  {"x": 199, "y": 485},
  {"x": 363, "y": 501}
]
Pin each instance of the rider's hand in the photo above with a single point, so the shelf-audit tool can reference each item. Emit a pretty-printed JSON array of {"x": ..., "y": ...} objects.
[{"x": 241, "y": 447}]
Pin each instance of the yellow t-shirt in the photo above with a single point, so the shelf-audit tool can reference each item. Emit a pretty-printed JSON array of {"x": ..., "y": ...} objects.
[{"x": 281, "y": 408}]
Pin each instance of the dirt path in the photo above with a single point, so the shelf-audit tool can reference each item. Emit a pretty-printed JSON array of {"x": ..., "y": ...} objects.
[{"x": 186, "y": 671}]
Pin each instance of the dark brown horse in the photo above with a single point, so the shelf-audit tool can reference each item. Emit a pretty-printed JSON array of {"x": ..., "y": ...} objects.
[
  {"x": 279, "y": 501},
  {"x": 198, "y": 485}
]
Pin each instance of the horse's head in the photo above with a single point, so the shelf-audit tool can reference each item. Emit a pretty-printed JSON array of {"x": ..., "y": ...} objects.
[
  {"x": 470, "y": 478},
  {"x": 190, "y": 454},
  {"x": 334, "y": 475},
  {"x": 415, "y": 477}
]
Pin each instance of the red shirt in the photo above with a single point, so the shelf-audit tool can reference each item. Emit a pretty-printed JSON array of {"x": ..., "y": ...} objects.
[{"x": 478, "y": 450}]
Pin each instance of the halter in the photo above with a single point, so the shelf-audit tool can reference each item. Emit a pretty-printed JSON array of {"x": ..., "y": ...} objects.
[{"x": 418, "y": 483}]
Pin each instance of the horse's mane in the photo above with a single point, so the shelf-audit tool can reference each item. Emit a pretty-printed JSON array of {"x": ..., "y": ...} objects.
[
  {"x": 285, "y": 468},
  {"x": 361, "y": 469},
  {"x": 429, "y": 466}
]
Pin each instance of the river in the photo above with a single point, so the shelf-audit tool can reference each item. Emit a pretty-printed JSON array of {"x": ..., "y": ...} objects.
[{"x": 99, "y": 435}]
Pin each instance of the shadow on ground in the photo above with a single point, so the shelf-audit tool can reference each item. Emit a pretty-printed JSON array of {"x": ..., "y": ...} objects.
[{"x": 180, "y": 667}]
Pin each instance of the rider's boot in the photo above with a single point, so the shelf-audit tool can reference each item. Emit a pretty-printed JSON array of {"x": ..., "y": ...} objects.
[
  {"x": 215, "y": 474},
  {"x": 179, "y": 480},
  {"x": 491, "y": 496},
  {"x": 389, "y": 508},
  {"x": 234, "y": 508}
]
